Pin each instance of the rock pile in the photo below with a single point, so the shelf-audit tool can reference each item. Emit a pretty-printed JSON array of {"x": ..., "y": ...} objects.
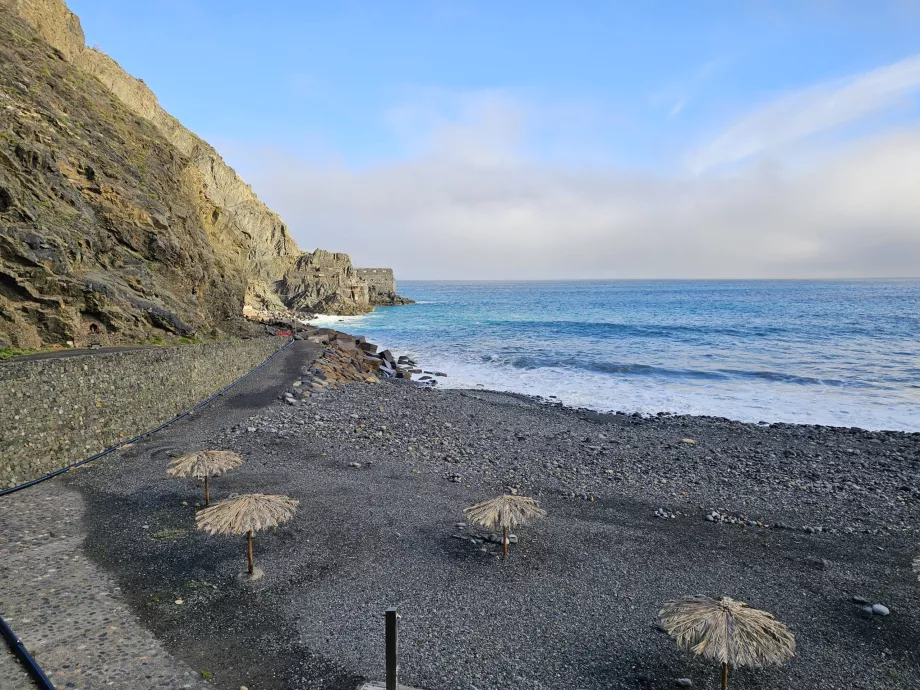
[
  {"x": 385, "y": 364},
  {"x": 487, "y": 541},
  {"x": 342, "y": 365},
  {"x": 345, "y": 359}
]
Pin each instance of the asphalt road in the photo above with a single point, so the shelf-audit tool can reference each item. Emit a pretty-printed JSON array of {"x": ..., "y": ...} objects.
[{"x": 77, "y": 352}]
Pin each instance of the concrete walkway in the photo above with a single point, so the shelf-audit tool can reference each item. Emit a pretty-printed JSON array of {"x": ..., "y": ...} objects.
[
  {"x": 12, "y": 675},
  {"x": 70, "y": 614}
]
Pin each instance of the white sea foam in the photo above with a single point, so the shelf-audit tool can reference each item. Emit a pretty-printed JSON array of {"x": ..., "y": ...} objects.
[
  {"x": 748, "y": 350},
  {"x": 335, "y": 321},
  {"x": 755, "y": 402}
]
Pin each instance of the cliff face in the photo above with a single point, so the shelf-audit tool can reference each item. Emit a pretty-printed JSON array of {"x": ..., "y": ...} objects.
[
  {"x": 114, "y": 213},
  {"x": 381, "y": 286},
  {"x": 324, "y": 282}
]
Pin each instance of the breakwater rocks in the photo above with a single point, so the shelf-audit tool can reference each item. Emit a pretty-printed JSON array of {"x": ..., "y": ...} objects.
[
  {"x": 56, "y": 411},
  {"x": 349, "y": 359}
]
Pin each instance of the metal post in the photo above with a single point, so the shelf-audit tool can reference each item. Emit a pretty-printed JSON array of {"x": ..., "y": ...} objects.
[{"x": 392, "y": 638}]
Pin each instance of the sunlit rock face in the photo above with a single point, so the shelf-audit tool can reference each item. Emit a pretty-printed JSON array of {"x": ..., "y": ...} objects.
[
  {"x": 324, "y": 283},
  {"x": 381, "y": 286},
  {"x": 114, "y": 214}
]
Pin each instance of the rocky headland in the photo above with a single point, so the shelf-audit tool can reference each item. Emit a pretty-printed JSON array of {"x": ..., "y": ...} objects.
[
  {"x": 115, "y": 215},
  {"x": 382, "y": 287}
]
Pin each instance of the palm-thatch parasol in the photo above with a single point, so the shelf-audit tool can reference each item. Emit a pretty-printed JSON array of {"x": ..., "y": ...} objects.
[
  {"x": 203, "y": 464},
  {"x": 246, "y": 514},
  {"x": 505, "y": 512},
  {"x": 727, "y": 631}
]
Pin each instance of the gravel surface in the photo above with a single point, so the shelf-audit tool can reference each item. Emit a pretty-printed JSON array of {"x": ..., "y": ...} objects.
[{"x": 796, "y": 520}]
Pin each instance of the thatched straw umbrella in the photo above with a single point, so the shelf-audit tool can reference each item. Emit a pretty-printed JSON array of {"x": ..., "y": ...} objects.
[
  {"x": 506, "y": 513},
  {"x": 246, "y": 514},
  {"x": 203, "y": 464},
  {"x": 728, "y": 632}
]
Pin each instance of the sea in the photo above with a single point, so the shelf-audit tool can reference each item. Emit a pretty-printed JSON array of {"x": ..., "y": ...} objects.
[{"x": 839, "y": 353}]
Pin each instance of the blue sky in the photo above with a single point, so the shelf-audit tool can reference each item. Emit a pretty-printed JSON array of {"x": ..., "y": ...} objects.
[{"x": 467, "y": 128}]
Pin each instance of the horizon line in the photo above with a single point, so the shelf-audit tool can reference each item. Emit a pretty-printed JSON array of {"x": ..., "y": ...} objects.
[{"x": 659, "y": 280}]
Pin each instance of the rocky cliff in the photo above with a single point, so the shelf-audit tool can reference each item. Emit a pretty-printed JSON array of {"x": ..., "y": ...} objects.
[
  {"x": 324, "y": 282},
  {"x": 113, "y": 213},
  {"x": 381, "y": 286}
]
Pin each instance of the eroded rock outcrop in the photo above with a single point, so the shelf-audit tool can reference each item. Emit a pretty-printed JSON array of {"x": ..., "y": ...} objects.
[
  {"x": 381, "y": 286},
  {"x": 324, "y": 282},
  {"x": 114, "y": 213}
]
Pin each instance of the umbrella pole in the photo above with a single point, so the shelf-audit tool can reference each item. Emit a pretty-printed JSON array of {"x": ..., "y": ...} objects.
[
  {"x": 504, "y": 542},
  {"x": 249, "y": 539},
  {"x": 207, "y": 493},
  {"x": 724, "y": 675}
]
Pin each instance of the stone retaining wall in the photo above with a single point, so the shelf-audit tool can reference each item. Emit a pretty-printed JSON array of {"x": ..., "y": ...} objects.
[{"x": 54, "y": 412}]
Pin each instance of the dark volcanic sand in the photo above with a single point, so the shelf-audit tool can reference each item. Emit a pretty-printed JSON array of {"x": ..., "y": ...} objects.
[{"x": 575, "y": 605}]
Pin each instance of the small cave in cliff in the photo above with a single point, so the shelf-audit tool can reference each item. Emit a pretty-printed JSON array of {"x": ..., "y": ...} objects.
[
  {"x": 96, "y": 322},
  {"x": 6, "y": 199}
]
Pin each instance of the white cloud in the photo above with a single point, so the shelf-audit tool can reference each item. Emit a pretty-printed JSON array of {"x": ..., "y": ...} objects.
[
  {"x": 810, "y": 111},
  {"x": 469, "y": 198},
  {"x": 481, "y": 128},
  {"x": 443, "y": 214}
]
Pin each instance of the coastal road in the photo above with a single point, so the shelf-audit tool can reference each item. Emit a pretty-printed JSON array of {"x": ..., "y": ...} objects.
[{"x": 77, "y": 352}]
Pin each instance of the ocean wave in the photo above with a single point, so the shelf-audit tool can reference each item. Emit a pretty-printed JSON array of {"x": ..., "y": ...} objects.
[
  {"x": 638, "y": 369},
  {"x": 609, "y": 328},
  {"x": 723, "y": 396},
  {"x": 531, "y": 362},
  {"x": 775, "y": 352},
  {"x": 327, "y": 320},
  {"x": 793, "y": 378}
]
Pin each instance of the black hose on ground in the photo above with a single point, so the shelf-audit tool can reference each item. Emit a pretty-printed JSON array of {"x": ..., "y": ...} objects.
[
  {"x": 19, "y": 649},
  {"x": 175, "y": 419}
]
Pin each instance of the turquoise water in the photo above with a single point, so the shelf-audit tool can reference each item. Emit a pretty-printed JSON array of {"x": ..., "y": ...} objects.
[{"x": 823, "y": 352}]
